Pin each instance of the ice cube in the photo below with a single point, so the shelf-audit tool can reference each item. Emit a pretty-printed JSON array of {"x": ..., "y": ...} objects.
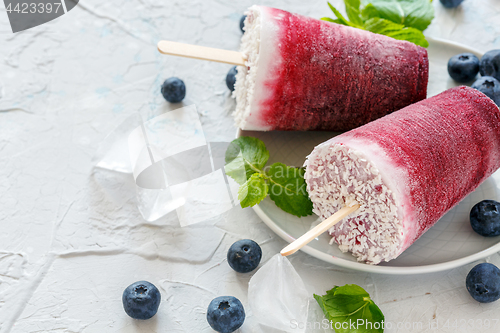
[
  {"x": 171, "y": 166},
  {"x": 277, "y": 296}
]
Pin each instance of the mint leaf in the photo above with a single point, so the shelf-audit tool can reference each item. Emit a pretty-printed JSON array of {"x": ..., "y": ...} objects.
[
  {"x": 253, "y": 191},
  {"x": 369, "y": 11},
  {"x": 340, "y": 18},
  {"x": 244, "y": 157},
  {"x": 396, "y": 31},
  {"x": 288, "y": 189},
  {"x": 390, "y": 10},
  {"x": 399, "y": 19},
  {"x": 332, "y": 20},
  {"x": 416, "y": 14},
  {"x": 353, "y": 12},
  {"x": 350, "y": 309},
  {"x": 236, "y": 169}
]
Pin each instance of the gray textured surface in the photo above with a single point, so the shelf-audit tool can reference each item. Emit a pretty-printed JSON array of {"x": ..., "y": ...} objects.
[{"x": 67, "y": 253}]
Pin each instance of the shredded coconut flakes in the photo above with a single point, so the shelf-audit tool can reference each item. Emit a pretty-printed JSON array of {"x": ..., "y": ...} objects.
[
  {"x": 246, "y": 76},
  {"x": 338, "y": 176}
]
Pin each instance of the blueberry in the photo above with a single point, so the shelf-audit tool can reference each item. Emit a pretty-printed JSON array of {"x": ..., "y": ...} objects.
[
  {"x": 483, "y": 283},
  {"x": 242, "y": 23},
  {"x": 231, "y": 78},
  {"x": 244, "y": 256},
  {"x": 141, "y": 300},
  {"x": 485, "y": 218},
  {"x": 490, "y": 64},
  {"x": 463, "y": 67},
  {"x": 451, "y": 3},
  {"x": 489, "y": 86},
  {"x": 173, "y": 89},
  {"x": 225, "y": 314}
]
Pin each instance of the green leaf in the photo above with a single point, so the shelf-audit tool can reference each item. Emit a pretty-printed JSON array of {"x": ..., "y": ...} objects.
[
  {"x": 340, "y": 18},
  {"x": 353, "y": 12},
  {"x": 288, "y": 189},
  {"x": 369, "y": 11},
  {"x": 350, "y": 309},
  {"x": 419, "y": 14},
  {"x": 235, "y": 168},
  {"x": 416, "y": 14},
  {"x": 253, "y": 191},
  {"x": 399, "y": 19},
  {"x": 245, "y": 161},
  {"x": 244, "y": 157},
  {"x": 397, "y": 31},
  {"x": 390, "y": 10},
  {"x": 332, "y": 20}
]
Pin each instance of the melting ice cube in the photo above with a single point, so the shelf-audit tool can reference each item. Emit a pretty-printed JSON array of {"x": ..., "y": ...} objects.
[{"x": 277, "y": 296}]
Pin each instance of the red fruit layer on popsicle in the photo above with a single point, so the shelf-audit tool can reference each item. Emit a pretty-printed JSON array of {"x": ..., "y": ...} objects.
[
  {"x": 406, "y": 170},
  {"x": 325, "y": 76}
]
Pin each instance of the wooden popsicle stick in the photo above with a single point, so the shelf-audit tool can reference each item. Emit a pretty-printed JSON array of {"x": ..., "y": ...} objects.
[
  {"x": 317, "y": 230},
  {"x": 201, "y": 52}
]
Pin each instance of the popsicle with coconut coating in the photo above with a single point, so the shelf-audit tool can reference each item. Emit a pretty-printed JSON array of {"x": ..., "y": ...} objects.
[
  {"x": 306, "y": 74},
  {"x": 406, "y": 170}
]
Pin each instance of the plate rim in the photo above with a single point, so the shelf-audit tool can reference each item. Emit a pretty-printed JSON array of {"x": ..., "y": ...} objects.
[{"x": 387, "y": 270}]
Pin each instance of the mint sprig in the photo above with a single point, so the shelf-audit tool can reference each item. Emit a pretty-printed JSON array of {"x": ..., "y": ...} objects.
[
  {"x": 288, "y": 189},
  {"x": 253, "y": 191},
  {"x": 350, "y": 309},
  {"x": 399, "y": 19},
  {"x": 416, "y": 14},
  {"x": 246, "y": 151},
  {"x": 396, "y": 31},
  {"x": 246, "y": 159}
]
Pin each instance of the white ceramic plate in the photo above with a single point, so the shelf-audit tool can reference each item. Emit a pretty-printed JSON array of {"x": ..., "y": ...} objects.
[{"x": 450, "y": 243}]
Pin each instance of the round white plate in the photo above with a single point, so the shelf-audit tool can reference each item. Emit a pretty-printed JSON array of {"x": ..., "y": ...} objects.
[{"x": 450, "y": 243}]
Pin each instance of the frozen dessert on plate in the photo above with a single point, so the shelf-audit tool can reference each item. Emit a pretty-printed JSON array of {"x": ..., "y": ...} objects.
[
  {"x": 306, "y": 74},
  {"x": 406, "y": 170}
]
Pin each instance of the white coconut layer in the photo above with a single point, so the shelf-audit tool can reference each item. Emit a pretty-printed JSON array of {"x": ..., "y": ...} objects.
[
  {"x": 258, "y": 44},
  {"x": 245, "y": 79},
  {"x": 338, "y": 176}
]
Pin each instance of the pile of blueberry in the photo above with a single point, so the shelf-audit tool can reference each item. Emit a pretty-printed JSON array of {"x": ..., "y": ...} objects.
[
  {"x": 174, "y": 89},
  {"x": 225, "y": 314},
  {"x": 483, "y": 281},
  {"x": 464, "y": 67}
]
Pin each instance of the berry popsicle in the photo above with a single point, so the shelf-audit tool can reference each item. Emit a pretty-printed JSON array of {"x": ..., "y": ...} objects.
[
  {"x": 405, "y": 170},
  {"x": 305, "y": 74}
]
